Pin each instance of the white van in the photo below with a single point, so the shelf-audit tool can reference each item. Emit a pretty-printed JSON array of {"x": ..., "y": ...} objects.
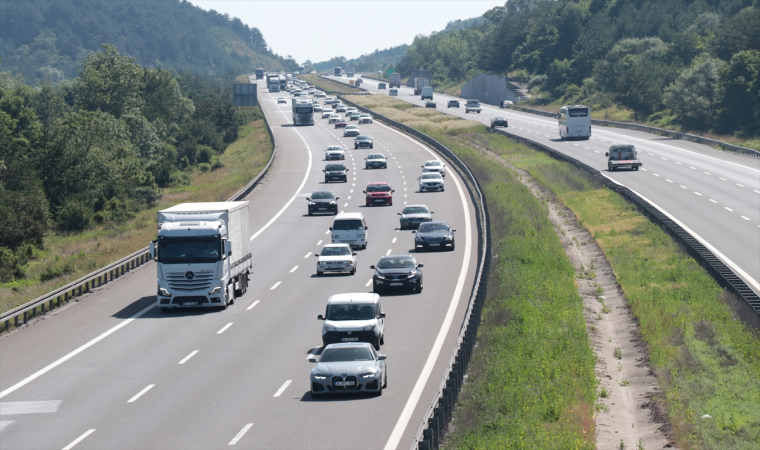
[
  {"x": 351, "y": 229},
  {"x": 356, "y": 317}
]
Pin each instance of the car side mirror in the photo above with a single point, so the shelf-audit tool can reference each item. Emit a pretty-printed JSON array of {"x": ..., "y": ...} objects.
[
  {"x": 353, "y": 254},
  {"x": 308, "y": 199},
  {"x": 381, "y": 357},
  {"x": 606, "y": 153},
  {"x": 432, "y": 212},
  {"x": 420, "y": 265},
  {"x": 393, "y": 190},
  {"x": 366, "y": 228},
  {"x": 320, "y": 317},
  {"x": 372, "y": 267},
  {"x": 330, "y": 228},
  {"x": 414, "y": 231},
  {"x": 312, "y": 359},
  {"x": 453, "y": 229},
  {"x": 398, "y": 214},
  {"x": 323, "y": 170},
  {"x": 316, "y": 254},
  {"x": 381, "y": 316},
  {"x": 152, "y": 249},
  {"x": 364, "y": 192},
  {"x": 337, "y": 198}
]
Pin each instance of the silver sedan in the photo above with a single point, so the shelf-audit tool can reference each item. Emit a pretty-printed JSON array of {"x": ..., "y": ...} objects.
[
  {"x": 413, "y": 215},
  {"x": 348, "y": 368}
]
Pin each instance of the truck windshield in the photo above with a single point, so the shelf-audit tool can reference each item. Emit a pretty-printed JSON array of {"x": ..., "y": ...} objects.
[
  {"x": 189, "y": 250},
  {"x": 304, "y": 109}
]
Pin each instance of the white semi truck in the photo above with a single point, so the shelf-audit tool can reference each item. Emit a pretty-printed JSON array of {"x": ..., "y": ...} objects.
[
  {"x": 394, "y": 80},
  {"x": 303, "y": 112},
  {"x": 427, "y": 93},
  {"x": 203, "y": 254},
  {"x": 420, "y": 83}
]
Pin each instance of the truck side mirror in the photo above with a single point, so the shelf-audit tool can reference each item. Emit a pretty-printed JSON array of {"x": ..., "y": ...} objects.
[
  {"x": 330, "y": 228},
  {"x": 227, "y": 248},
  {"x": 606, "y": 153},
  {"x": 320, "y": 317},
  {"x": 152, "y": 249}
]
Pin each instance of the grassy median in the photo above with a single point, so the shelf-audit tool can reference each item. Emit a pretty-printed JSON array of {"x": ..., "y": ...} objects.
[
  {"x": 67, "y": 257},
  {"x": 329, "y": 85},
  {"x": 706, "y": 359}
]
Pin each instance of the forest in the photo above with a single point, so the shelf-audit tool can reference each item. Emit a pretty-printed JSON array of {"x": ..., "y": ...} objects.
[
  {"x": 694, "y": 63},
  {"x": 48, "y": 40},
  {"x": 100, "y": 147}
]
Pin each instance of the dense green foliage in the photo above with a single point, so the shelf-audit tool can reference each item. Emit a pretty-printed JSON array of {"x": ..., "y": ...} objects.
[
  {"x": 697, "y": 61},
  {"x": 102, "y": 147},
  {"x": 371, "y": 62},
  {"x": 48, "y": 40}
]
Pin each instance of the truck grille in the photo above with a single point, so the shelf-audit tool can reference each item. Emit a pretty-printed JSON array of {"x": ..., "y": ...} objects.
[{"x": 179, "y": 281}]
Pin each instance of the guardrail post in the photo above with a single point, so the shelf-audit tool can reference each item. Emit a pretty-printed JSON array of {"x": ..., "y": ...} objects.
[
  {"x": 428, "y": 435},
  {"x": 7, "y": 325},
  {"x": 25, "y": 318},
  {"x": 433, "y": 426},
  {"x": 423, "y": 444},
  {"x": 15, "y": 321}
]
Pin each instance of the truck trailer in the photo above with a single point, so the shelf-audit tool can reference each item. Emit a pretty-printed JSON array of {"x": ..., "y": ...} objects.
[
  {"x": 420, "y": 83},
  {"x": 427, "y": 93},
  {"x": 338, "y": 72},
  {"x": 203, "y": 254},
  {"x": 394, "y": 80}
]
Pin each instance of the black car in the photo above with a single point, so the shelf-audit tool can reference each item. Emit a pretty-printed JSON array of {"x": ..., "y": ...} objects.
[
  {"x": 434, "y": 235},
  {"x": 322, "y": 202},
  {"x": 363, "y": 141},
  {"x": 429, "y": 104},
  {"x": 336, "y": 172},
  {"x": 397, "y": 272},
  {"x": 453, "y": 104},
  {"x": 499, "y": 122}
]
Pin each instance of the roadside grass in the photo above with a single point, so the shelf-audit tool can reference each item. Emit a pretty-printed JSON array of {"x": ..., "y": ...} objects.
[
  {"x": 67, "y": 257},
  {"x": 329, "y": 85},
  {"x": 707, "y": 362}
]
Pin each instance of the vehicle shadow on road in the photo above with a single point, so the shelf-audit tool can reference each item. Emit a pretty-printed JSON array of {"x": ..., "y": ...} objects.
[
  {"x": 329, "y": 397},
  {"x": 155, "y": 313}
]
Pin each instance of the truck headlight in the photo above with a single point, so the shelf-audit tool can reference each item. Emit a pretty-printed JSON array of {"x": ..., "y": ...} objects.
[
  {"x": 369, "y": 327},
  {"x": 164, "y": 293},
  {"x": 216, "y": 290},
  {"x": 330, "y": 328}
]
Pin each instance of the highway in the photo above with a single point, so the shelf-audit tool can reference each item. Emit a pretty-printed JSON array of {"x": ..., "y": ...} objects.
[
  {"x": 112, "y": 371},
  {"x": 713, "y": 194}
]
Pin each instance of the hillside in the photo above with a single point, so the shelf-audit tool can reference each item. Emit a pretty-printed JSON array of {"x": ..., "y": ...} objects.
[{"x": 50, "y": 39}]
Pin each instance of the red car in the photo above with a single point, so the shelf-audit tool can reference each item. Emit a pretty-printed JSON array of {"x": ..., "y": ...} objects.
[
  {"x": 379, "y": 193},
  {"x": 341, "y": 123}
]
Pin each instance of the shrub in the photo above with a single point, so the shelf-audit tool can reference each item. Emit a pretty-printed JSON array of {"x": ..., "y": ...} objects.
[{"x": 74, "y": 216}]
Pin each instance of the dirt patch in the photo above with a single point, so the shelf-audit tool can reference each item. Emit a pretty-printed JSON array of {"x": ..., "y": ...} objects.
[{"x": 630, "y": 410}]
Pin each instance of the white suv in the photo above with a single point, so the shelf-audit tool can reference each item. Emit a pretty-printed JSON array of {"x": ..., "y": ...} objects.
[
  {"x": 336, "y": 258},
  {"x": 434, "y": 166},
  {"x": 355, "y": 317}
]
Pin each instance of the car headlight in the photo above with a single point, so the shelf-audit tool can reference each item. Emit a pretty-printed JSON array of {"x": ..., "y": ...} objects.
[
  {"x": 369, "y": 375},
  {"x": 418, "y": 239},
  {"x": 216, "y": 290},
  {"x": 330, "y": 328},
  {"x": 312, "y": 203},
  {"x": 369, "y": 327},
  {"x": 319, "y": 376},
  {"x": 412, "y": 274},
  {"x": 449, "y": 238},
  {"x": 164, "y": 292},
  {"x": 379, "y": 275}
]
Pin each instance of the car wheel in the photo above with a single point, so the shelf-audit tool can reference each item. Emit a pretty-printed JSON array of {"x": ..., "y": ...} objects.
[
  {"x": 418, "y": 289},
  {"x": 319, "y": 274},
  {"x": 372, "y": 146},
  {"x": 382, "y": 339},
  {"x": 385, "y": 379},
  {"x": 353, "y": 271},
  {"x": 376, "y": 343}
]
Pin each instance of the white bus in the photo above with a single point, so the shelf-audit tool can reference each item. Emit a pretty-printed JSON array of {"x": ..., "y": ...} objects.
[{"x": 574, "y": 122}]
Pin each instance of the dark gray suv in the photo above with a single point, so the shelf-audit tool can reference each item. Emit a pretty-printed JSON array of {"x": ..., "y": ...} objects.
[{"x": 336, "y": 172}]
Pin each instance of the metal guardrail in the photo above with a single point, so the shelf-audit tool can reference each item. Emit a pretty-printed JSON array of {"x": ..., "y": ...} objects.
[
  {"x": 744, "y": 151},
  {"x": 725, "y": 277},
  {"x": 439, "y": 412},
  {"x": 104, "y": 275}
]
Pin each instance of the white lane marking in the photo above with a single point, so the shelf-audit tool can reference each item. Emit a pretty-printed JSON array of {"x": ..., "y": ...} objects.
[
  {"x": 669, "y": 181},
  {"x": 664, "y": 159},
  {"x": 33, "y": 407},
  {"x": 583, "y": 147},
  {"x": 707, "y": 173},
  {"x": 651, "y": 154},
  {"x": 698, "y": 193},
  {"x": 353, "y": 184},
  {"x": 224, "y": 328},
  {"x": 684, "y": 187},
  {"x": 186, "y": 358},
  {"x": 293, "y": 269},
  {"x": 282, "y": 388},
  {"x": 414, "y": 397},
  {"x": 645, "y": 170},
  {"x": 320, "y": 242},
  {"x": 713, "y": 201},
  {"x": 596, "y": 151},
  {"x": 722, "y": 179},
  {"x": 328, "y": 231},
  {"x": 756, "y": 191},
  {"x": 368, "y": 282},
  {"x": 72, "y": 354},
  {"x": 745, "y": 218},
  {"x": 394, "y": 241},
  {"x": 740, "y": 185},
  {"x": 694, "y": 168},
  {"x": 655, "y": 174},
  {"x": 678, "y": 163},
  {"x": 345, "y": 205},
  {"x": 349, "y": 198},
  {"x": 352, "y": 191},
  {"x": 275, "y": 286},
  {"x": 140, "y": 394},
  {"x": 252, "y": 305},
  {"x": 79, "y": 439},
  {"x": 300, "y": 188},
  {"x": 728, "y": 209},
  {"x": 5, "y": 423},
  {"x": 388, "y": 252},
  {"x": 240, "y": 434},
  {"x": 307, "y": 255}
]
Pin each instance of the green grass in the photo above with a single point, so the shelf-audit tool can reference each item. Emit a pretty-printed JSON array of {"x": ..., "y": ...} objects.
[
  {"x": 67, "y": 257},
  {"x": 329, "y": 85},
  {"x": 706, "y": 361}
]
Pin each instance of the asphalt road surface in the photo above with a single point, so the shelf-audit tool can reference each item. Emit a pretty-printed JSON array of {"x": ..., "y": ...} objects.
[
  {"x": 712, "y": 193},
  {"x": 113, "y": 372}
]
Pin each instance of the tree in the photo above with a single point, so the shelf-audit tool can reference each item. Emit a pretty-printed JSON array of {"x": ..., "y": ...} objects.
[
  {"x": 110, "y": 83},
  {"x": 738, "y": 92},
  {"x": 693, "y": 95}
]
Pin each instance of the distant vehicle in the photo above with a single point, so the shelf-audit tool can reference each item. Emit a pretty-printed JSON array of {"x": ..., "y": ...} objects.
[
  {"x": 393, "y": 92},
  {"x": 329, "y": 100},
  {"x": 301, "y": 70},
  {"x": 413, "y": 215},
  {"x": 365, "y": 118},
  {"x": 326, "y": 113},
  {"x": 394, "y": 80},
  {"x": 334, "y": 118},
  {"x": 274, "y": 85},
  {"x": 320, "y": 94},
  {"x": 380, "y": 86},
  {"x": 499, "y": 122},
  {"x": 378, "y": 193},
  {"x": 322, "y": 202},
  {"x": 355, "y": 317},
  {"x": 317, "y": 107},
  {"x": 350, "y": 130},
  {"x": 283, "y": 82},
  {"x": 427, "y": 93},
  {"x": 429, "y": 104},
  {"x": 341, "y": 123},
  {"x": 622, "y": 157},
  {"x": 363, "y": 141},
  {"x": 336, "y": 258},
  {"x": 334, "y": 152},
  {"x": 434, "y": 235},
  {"x": 434, "y": 165},
  {"x": 303, "y": 112},
  {"x": 351, "y": 110},
  {"x": 420, "y": 83},
  {"x": 472, "y": 105},
  {"x": 350, "y": 72},
  {"x": 453, "y": 104},
  {"x": 431, "y": 182},
  {"x": 505, "y": 104},
  {"x": 375, "y": 161},
  {"x": 574, "y": 122},
  {"x": 259, "y": 73},
  {"x": 336, "y": 172},
  {"x": 340, "y": 108},
  {"x": 397, "y": 272},
  {"x": 281, "y": 100},
  {"x": 354, "y": 115},
  {"x": 338, "y": 71}
]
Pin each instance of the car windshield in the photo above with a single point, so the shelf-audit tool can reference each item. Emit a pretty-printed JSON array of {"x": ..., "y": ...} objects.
[
  {"x": 415, "y": 210},
  {"x": 348, "y": 224},
  {"x": 322, "y": 195},
  {"x": 335, "y": 167},
  {"x": 500, "y": 119},
  {"x": 431, "y": 176},
  {"x": 351, "y": 311},
  {"x": 334, "y": 116},
  {"x": 378, "y": 188},
  {"x": 334, "y": 147},
  {"x": 189, "y": 250},
  {"x": 433, "y": 228},
  {"x": 622, "y": 154},
  {"x": 396, "y": 263},
  {"x": 375, "y": 156},
  {"x": 363, "y": 138},
  {"x": 363, "y": 115},
  {"x": 433, "y": 163},
  {"x": 336, "y": 251},
  {"x": 346, "y": 354}
]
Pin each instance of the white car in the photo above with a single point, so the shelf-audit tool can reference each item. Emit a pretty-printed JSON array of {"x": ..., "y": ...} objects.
[
  {"x": 351, "y": 110},
  {"x": 434, "y": 166},
  {"x": 317, "y": 107},
  {"x": 334, "y": 152},
  {"x": 333, "y": 118},
  {"x": 329, "y": 100},
  {"x": 336, "y": 258},
  {"x": 431, "y": 181},
  {"x": 365, "y": 118},
  {"x": 351, "y": 130},
  {"x": 340, "y": 108},
  {"x": 326, "y": 113},
  {"x": 320, "y": 94},
  {"x": 281, "y": 100}
]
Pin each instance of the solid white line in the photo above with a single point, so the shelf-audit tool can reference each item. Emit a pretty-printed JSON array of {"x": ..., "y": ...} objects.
[
  {"x": 645, "y": 170},
  {"x": 307, "y": 255},
  {"x": 394, "y": 241},
  {"x": 275, "y": 286},
  {"x": 139, "y": 394},
  {"x": 252, "y": 305},
  {"x": 240, "y": 434},
  {"x": 414, "y": 397},
  {"x": 293, "y": 269},
  {"x": 368, "y": 282},
  {"x": 62, "y": 360},
  {"x": 79, "y": 439},
  {"x": 186, "y": 358},
  {"x": 224, "y": 328},
  {"x": 756, "y": 191},
  {"x": 303, "y": 182},
  {"x": 282, "y": 388}
]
